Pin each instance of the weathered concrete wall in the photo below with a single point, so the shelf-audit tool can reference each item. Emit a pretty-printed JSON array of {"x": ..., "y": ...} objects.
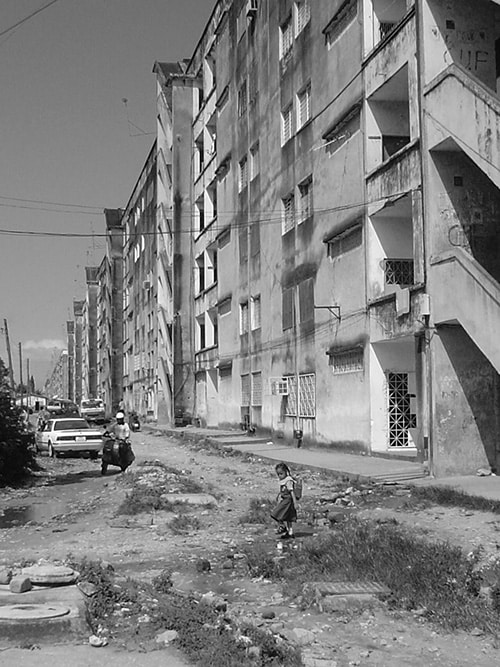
[{"x": 465, "y": 398}]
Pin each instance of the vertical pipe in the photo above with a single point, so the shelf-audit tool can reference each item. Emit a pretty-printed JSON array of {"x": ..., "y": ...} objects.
[
  {"x": 9, "y": 354},
  {"x": 21, "y": 372}
]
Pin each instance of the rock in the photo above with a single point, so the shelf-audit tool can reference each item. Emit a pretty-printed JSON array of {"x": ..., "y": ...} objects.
[
  {"x": 50, "y": 574},
  {"x": 5, "y": 576},
  {"x": 276, "y": 628},
  {"x": 203, "y": 565},
  {"x": 254, "y": 652},
  {"x": 228, "y": 564},
  {"x": 87, "y": 588},
  {"x": 268, "y": 613},
  {"x": 167, "y": 637},
  {"x": 219, "y": 604},
  {"x": 97, "y": 642},
  {"x": 20, "y": 584},
  {"x": 302, "y": 636}
]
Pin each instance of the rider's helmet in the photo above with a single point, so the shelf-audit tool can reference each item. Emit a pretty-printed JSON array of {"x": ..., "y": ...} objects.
[{"x": 120, "y": 415}]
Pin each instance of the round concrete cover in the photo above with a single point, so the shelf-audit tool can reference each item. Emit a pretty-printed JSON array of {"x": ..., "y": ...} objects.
[
  {"x": 31, "y": 612},
  {"x": 50, "y": 574}
]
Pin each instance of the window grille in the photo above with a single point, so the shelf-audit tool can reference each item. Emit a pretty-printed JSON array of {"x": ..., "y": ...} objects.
[
  {"x": 398, "y": 272},
  {"x": 286, "y": 39},
  {"x": 342, "y": 19},
  {"x": 385, "y": 28},
  {"x": 306, "y": 201},
  {"x": 288, "y": 213},
  {"x": 256, "y": 312},
  {"x": 304, "y": 106},
  {"x": 257, "y": 388},
  {"x": 303, "y": 15},
  {"x": 244, "y": 317},
  {"x": 307, "y": 396},
  {"x": 245, "y": 389},
  {"x": 286, "y": 124},
  {"x": 242, "y": 99},
  {"x": 347, "y": 361},
  {"x": 254, "y": 161},
  {"x": 400, "y": 417},
  {"x": 243, "y": 174},
  {"x": 287, "y": 308},
  {"x": 343, "y": 243}
]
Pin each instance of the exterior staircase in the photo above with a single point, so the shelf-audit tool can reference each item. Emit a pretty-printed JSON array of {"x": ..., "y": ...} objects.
[
  {"x": 474, "y": 125},
  {"x": 472, "y": 300}
]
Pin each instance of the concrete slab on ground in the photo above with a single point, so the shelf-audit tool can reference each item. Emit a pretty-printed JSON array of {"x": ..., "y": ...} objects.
[{"x": 474, "y": 485}]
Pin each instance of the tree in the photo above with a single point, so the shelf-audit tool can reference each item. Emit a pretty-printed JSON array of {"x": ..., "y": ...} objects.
[{"x": 16, "y": 456}]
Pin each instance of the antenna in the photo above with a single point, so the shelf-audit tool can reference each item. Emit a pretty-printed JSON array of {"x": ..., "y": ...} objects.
[{"x": 130, "y": 124}]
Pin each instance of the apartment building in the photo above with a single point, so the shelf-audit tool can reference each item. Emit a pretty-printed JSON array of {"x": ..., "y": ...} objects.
[
  {"x": 89, "y": 334},
  {"x": 140, "y": 317},
  {"x": 110, "y": 315},
  {"x": 78, "y": 375}
]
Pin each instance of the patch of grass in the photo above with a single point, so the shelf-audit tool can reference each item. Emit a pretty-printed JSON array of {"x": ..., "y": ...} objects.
[
  {"x": 448, "y": 496},
  {"x": 436, "y": 577},
  {"x": 184, "y": 523},
  {"x": 259, "y": 511}
]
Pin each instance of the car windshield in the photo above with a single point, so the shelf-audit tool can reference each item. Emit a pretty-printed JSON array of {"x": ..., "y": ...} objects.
[
  {"x": 91, "y": 404},
  {"x": 71, "y": 425}
]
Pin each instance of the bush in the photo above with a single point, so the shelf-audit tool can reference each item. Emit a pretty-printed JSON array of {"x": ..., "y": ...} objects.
[{"x": 17, "y": 458}]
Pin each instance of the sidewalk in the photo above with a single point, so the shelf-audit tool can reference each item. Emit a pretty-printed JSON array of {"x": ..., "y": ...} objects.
[{"x": 354, "y": 466}]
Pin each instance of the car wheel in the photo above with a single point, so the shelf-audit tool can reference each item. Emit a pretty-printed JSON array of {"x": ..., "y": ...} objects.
[
  {"x": 93, "y": 455},
  {"x": 51, "y": 451}
]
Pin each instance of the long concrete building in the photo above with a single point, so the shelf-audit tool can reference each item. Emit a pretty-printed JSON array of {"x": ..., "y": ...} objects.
[{"x": 329, "y": 258}]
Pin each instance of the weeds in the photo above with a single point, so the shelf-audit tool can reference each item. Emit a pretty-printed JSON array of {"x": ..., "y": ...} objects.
[
  {"x": 451, "y": 497},
  {"x": 259, "y": 511},
  {"x": 436, "y": 577},
  {"x": 184, "y": 523}
]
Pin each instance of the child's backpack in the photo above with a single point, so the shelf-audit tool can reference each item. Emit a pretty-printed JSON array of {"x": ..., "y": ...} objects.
[{"x": 297, "y": 487}]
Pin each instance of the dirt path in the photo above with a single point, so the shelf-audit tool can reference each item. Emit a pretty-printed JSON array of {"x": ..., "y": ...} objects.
[{"x": 73, "y": 511}]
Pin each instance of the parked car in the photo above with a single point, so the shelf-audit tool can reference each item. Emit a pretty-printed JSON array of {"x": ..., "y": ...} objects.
[
  {"x": 69, "y": 435},
  {"x": 93, "y": 409},
  {"x": 62, "y": 407}
]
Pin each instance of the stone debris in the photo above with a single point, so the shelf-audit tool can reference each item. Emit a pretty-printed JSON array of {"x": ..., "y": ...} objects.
[
  {"x": 20, "y": 584},
  {"x": 87, "y": 588},
  {"x": 5, "y": 576},
  {"x": 50, "y": 574},
  {"x": 167, "y": 637},
  {"x": 97, "y": 642}
]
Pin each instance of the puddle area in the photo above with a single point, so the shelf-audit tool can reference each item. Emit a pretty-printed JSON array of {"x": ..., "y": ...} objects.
[{"x": 14, "y": 517}]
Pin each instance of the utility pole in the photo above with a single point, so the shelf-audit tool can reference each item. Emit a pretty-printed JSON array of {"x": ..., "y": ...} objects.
[
  {"x": 28, "y": 388},
  {"x": 9, "y": 354},
  {"x": 21, "y": 372}
]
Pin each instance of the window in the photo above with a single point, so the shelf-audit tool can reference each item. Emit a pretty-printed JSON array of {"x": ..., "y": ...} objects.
[
  {"x": 200, "y": 273},
  {"x": 302, "y": 15},
  {"x": 306, "y": 300},
  {"x": 286, "y": 124},
  {"x": 305, "y": 199},
  {"x": 287, "y": 309},
  {"x": 253, "y": 84},
  {"x": 286, "y": 39},
  {"x": 256, "y": 312},
  {"x": 288, "y": 213},
  {"x": 256, "y": 388},
  {"x": 245, "y": 389},
  {"x": 244, "y": 318},
  {"x": 243, "y": 174},
  {"x": 398, "y": 272},
  {"x": 242, "y": 99},
  {"x": 342, "y": 19},
  {"x": 202, "y": 343},
  {"x": 349, "y": 240},
  {"x": 304, "y": 106},
  {"x": 254, "y": 161},
  {"x": 306, "y": 397},
  {"x": 346, "y": 361}
]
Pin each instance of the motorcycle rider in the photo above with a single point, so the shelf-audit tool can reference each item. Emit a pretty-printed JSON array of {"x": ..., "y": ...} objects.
[{"x": 120, "y": 429}]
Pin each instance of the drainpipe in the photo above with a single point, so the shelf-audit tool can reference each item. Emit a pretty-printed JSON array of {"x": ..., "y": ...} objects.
[{"x": 427, "y": 431}]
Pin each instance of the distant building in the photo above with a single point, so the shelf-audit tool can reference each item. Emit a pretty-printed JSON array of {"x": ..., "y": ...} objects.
[
  {"x": 89, "y": 335},
  {"x": 70, "y": 331},
  {"x": 78, "y": 378},
  {"x": 57, "y": 384}
]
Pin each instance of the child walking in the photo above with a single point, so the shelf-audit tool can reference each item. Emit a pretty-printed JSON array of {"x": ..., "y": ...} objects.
[{"x": 285, "y": 512}]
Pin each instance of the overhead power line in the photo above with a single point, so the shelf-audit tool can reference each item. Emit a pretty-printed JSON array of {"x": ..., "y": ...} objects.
[{"x": 27, "y": 18}]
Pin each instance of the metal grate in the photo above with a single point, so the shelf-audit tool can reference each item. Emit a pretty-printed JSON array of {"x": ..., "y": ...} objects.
[
  {"x": 257, "y": 388},
  {"x": 245, "y": 389},
  {"x": 399, "y": 272},
  {"x": 307, "y": 396},
  {"x": 348, "y": 361},
  {"x": 399, "y": 415},
  {"x": 288, "y": 213}
]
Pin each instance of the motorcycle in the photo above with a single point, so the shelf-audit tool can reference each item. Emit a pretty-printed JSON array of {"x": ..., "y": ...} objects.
[
  {"x": 116, "y": 452},
  {"x": 133, "y": 422}
]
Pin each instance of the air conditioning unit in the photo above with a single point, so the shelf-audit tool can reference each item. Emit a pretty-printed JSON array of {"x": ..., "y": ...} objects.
[
  {"x": 279, "y": 386},
  {"x": 251, "y": 8}
]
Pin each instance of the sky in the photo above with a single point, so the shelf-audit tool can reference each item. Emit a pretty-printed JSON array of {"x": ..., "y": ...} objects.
[{"x": 70, "y": 146}]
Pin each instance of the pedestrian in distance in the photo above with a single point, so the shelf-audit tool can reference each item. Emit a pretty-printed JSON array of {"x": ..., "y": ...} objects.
[{"x": 285, "y": 512}]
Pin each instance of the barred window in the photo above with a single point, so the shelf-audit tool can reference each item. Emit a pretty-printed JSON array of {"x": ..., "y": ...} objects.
[
  {"x": 286, "y": 124},
  {"x": 288, "y": 213},
  {"x": 245, "y": 389},
  {"x": 306, "y": 300},
  {"x": 306, "y": 200},
  {"x": 302, "y": 15},
  {"x": 342, "y": 19},
  {"x": 256, "y": 312},
  {"x": 287, "y": 308},
  {"x": 343, "y": 243},
  {"x": 257, "y": 388},
  {"x": 254, "y": 161},
  {"x": 243, "y": 174},
  {"x": 304, "y": 106},
  {"x": 242, "y": 99},
  {"x": 286, "y": 39},
  {"x": 347, "y": 361},
  {"x": 307, "y": 396},
  {"x": 244, "y": 317},
  {"x": 398, "y": 272}
]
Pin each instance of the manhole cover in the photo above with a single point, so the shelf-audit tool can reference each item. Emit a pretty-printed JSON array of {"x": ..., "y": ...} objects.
[
  {"x": 31, "y": 612},
  {"x": 350, "y": 588},
  {"x": 50, "y": 574}
]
